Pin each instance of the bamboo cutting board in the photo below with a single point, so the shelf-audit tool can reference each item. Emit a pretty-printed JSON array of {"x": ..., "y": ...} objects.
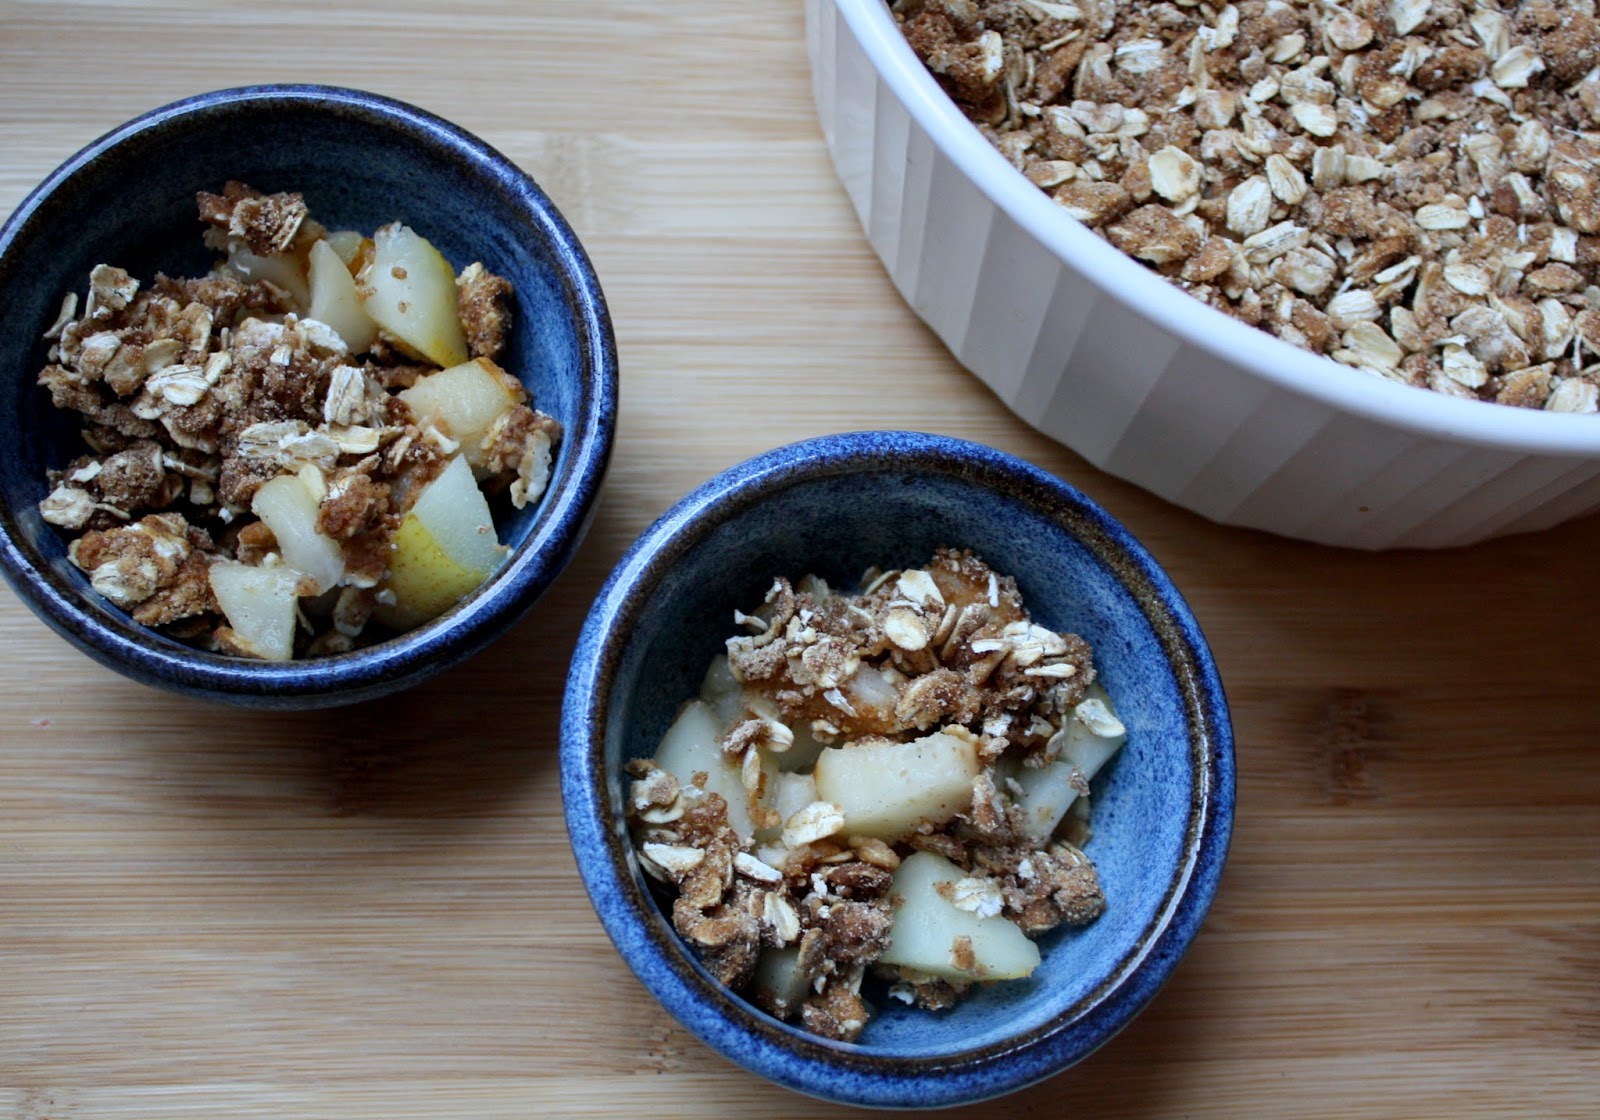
[{"x": 374, "y": 913}]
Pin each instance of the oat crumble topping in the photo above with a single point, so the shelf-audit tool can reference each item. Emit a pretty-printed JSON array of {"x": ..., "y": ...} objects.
[
  {"x": 1411, "y": 187},
  {"x": 921, "y": 745}
]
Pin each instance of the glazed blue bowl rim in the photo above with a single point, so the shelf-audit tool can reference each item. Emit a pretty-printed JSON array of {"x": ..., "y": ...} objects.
[
  {"x": 459, "y": 633},
  {"x": 850, "y": 1073}
]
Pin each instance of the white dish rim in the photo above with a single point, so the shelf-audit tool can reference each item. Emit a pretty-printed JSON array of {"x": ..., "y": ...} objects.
[{"x": 1422, "y": 411}]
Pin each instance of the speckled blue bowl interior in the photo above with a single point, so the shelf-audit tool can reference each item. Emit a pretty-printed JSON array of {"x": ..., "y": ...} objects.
[
  {"x": 834, "y": 507},
  {"x": 361, "y": 161}
]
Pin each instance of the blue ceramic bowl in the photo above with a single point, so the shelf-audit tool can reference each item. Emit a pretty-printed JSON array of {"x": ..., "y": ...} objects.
[
  {"x": 361, "y": 161},
  {"x": 834, "y": 506}
]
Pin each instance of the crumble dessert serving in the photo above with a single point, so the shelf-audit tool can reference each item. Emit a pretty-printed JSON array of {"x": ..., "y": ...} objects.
[
  {"x": 297, "y": 444},
  {"x": 1410, "y": 187},
  {"x": 893, "y": 782}
]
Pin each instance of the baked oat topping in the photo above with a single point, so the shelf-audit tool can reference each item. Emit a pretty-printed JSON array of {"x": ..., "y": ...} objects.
[
  {"x": 261, "y": 442},
  {"x": 889, "y": 784},
  {"x": 1410, "y": 187}
]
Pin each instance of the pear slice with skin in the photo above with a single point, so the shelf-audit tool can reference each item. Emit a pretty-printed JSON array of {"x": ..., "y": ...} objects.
[
  {"x": 445, "y": 547},
  {"x": 409, "y": 290}
]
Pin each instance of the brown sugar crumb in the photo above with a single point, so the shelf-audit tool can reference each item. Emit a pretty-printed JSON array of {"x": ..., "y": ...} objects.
[
  {"x": 837, "y": 1013},
  {"x": 156, "y": 567},
  {"x": 267, "y": 223},
  {"x": 929, "y": 993},
  {"x": 194, "y": 394},
  {"x": 1044, "y": 889},
  {"x": 518, "y": 452},
  {"x": 484, "y": 302},
  {"x": 252, "y": 542},
  {"x": 1408, "y": 188},
  {"x": 791, "y": 897},
  {"x": 354, "y": 504}
]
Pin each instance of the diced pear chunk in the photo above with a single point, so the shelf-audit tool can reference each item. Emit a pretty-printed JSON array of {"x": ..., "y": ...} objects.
[
  {"x": 334, "y": 300},
  {"x": 887, "y": 789},
  {"x": 464, "y": 402},
  {"x": 803, "y": 753},
  {"x": 1089, "y": 749},
  {"x": 259, "y": 604},
  {"x": 348, "y": 244},
  {"x": 928, "y": 929},
  {"x": 287, "y": 506},
  {"x": 722, "y": 692},
  {"x": 445, "y": 547},
  {"x": 792, "y": 792},
  {"x": 780, "y": 984},
  {"x": 410, "y": 291},
  {"x": 786, "y": 795},
  {"x": 1047, "y": 794},
  {"x": 693, "y": 744},
  {"x": 281, "y": 269},
  {"x": 719, "y": 679},
  {"x": 873, "y": 692}
]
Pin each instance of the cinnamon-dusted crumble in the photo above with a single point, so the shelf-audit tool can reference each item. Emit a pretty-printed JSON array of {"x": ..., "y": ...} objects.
[
  {"x": 888, "y": 784},
  {"x": 1407, "y": 186},
  {"x": 243, "y": 455}
]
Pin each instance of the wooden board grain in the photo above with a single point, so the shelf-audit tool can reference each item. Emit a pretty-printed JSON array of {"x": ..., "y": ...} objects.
[{"x": 373, "y": 912}]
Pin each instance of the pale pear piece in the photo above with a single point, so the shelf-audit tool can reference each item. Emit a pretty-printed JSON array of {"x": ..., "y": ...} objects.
[
  {"x": 722, "y": 692},
  {"x": 287, "y": 506},
  {"x": 888, "y": 789},
  {"x": 786, "y": 795},
  {"x": 1047, "y": 794},
  {"x": 348, "y": 244},
  {"x": 334, "y": 300},
  {"x": 281, "y": 269},
  {"x": 259, "y": 604},
  {"x": 693, "y": 744},
  {"x": 409, "y": 289},
  {"x": 463, "y": 402},
  {"x": 780, "y": 984},
  {"x": 802, "y": 755},
  {"x": 445, "y": 547},
  {"x": 1088, "y": 748},
  {"x": 931, "y": 934}
]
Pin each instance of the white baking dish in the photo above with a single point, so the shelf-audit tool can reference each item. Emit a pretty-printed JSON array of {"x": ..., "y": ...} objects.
[{"x": 1145, "y": 382}]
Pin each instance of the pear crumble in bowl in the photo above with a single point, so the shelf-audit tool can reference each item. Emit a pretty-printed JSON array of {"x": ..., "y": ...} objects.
[
  {"x": 289, "y": 455},
  {"x": 323, "y": 441},
  {"x": 894, "y": 782},
  {"x": 742, "y": 826}
]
